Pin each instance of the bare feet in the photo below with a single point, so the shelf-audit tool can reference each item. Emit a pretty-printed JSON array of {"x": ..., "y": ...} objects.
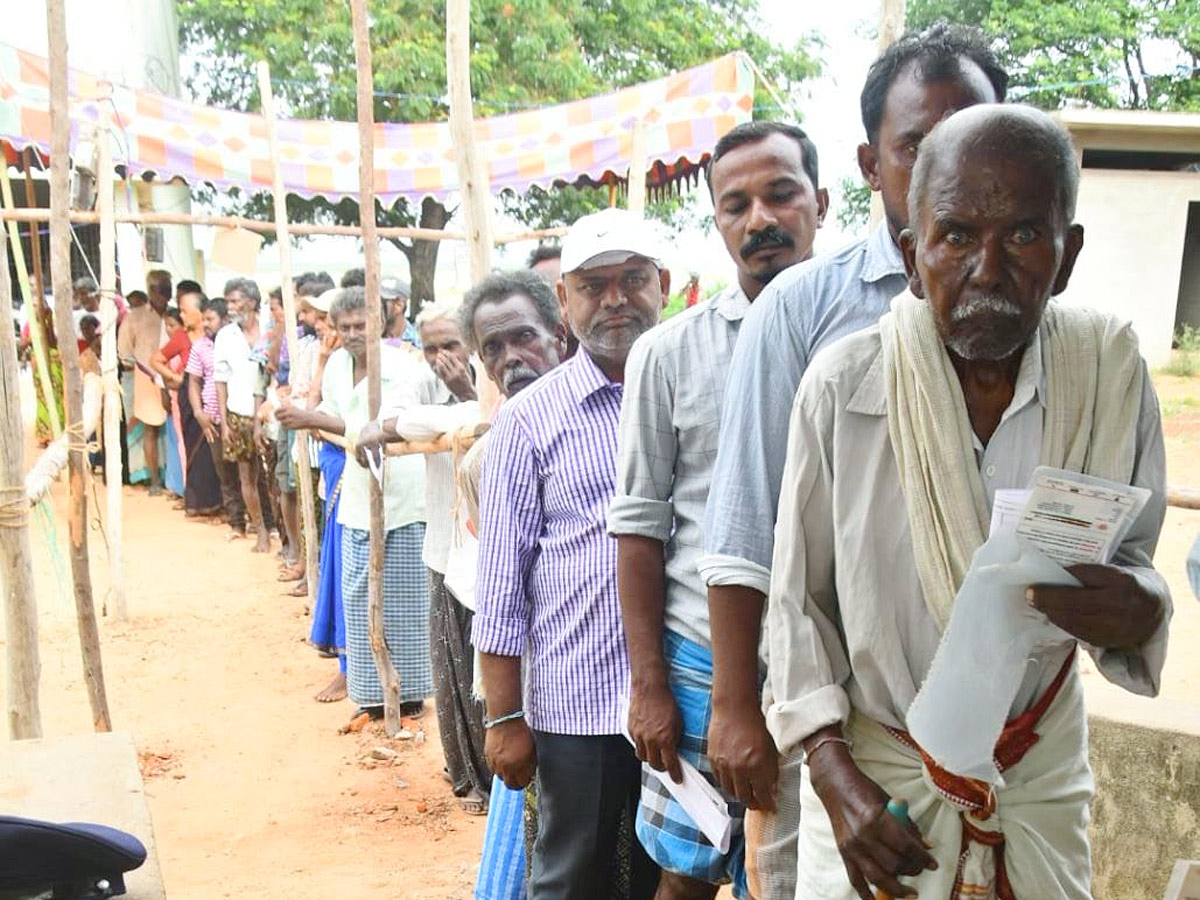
[
  {"x": 300, "y": 590},
  {"x": 263, "y": 543},
  {"x": 293, "y": 572},
  {"x": 334, "y": 691}
]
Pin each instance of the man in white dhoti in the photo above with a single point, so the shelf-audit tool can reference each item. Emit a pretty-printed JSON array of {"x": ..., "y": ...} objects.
[{"x": 900, "y": 436}]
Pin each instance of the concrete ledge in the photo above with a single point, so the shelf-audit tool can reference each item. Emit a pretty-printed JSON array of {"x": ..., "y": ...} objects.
[{"x": 1146, "y": 815}]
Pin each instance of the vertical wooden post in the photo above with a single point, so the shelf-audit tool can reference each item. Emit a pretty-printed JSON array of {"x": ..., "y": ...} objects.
[
  {"x": 473, "y": 183},
  {"x": 891, "y": 26},
  {"x": 113, "y": 472},
  {"x": 472, "y": 173},
  {"x": 39, "y": 283},
  {"x": 389, "y": 678},
  {"x": 23, "y": 666},
  {"x": 312, "y": 540},
  {"x": 33, "y": 307},
  {"x": 64, "y": 328},
  {"x": 637, "y": 168}
]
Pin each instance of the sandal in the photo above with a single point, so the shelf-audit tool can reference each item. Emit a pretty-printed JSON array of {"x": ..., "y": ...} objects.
[{"x": 473, "y": 804}]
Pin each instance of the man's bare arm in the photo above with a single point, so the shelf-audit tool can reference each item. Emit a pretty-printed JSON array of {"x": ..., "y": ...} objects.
[
  {"x": 508, "y": 746},
  {"x": 654, "y": 720},
  {"x": 740, "y": 748}
]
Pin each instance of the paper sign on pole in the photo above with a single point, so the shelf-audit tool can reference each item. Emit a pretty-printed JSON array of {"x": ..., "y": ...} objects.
[{"x": 236, "y": 249}]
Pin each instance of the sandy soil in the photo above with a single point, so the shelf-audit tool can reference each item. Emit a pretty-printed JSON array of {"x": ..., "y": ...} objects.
[{"x": 252, "y": 790}]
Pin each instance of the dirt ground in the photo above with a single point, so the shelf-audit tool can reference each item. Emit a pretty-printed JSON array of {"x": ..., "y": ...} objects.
[{"x": 252, "y": 790}]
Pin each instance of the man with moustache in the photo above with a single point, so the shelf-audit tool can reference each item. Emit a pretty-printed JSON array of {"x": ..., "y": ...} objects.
[
  {"x": 546, "y": 594},
  {"x": 971, "y": 381},
  {"x": 767, "y": 204},
  {"x": 915, "y": 83}
]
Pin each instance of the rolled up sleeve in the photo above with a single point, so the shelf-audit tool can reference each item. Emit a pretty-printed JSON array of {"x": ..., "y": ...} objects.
[
  {"x": 807, "y": 664},
  {"x": 511, "y": 524},
  {"x": 741, "y": 506},
  {"x": 1140, "y": 670},
  {"x": 647, "y": 449}
]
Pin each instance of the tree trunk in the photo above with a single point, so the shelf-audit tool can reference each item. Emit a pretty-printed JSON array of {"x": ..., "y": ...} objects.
[{"x": 422, "y": 260}]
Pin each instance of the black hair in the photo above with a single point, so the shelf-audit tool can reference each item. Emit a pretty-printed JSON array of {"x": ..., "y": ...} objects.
[
  {"x": 314, "y": 284},
  {"x": 173, "y": 314},
  {"x": 497, "y": 288},
  {"x": 136, "y": 295},
  {"x": 543, "y": 252},
  {"x": 217, "y": 305},
  {"x": 354, "y": 278},
  {"x": 752, "y": 133},
  {"x": 158, "y": 281},
  {"x": 938, "y": 52},
  {"x": 89, "y": 320},
  {"x": 188, "y": 286}
]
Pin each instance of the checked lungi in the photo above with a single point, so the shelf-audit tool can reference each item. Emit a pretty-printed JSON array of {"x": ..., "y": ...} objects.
[
  {"x": 405, "y": 614},
  {"x": 667, "y": 832}
]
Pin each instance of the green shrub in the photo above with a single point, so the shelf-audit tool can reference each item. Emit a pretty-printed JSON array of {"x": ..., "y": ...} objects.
[{"x": 1185, "y": 361}]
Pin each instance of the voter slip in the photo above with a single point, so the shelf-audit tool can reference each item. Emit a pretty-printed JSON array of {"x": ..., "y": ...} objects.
[{"x": 1070, "y": 517}]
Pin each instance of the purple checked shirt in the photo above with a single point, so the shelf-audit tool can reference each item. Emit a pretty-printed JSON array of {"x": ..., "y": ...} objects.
[{"x": 547, "y": 585}]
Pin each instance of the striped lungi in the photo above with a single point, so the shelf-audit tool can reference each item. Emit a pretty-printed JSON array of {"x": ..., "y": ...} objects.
[
  {"x": 502, "y": 864},
  {"x": 405, "y": 614}
]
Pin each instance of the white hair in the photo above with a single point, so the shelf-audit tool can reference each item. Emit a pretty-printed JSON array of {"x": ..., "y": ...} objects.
[{"x": 443, "y": 309}]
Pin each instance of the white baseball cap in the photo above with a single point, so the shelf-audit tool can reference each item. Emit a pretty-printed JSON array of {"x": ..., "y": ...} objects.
[
  {"x": 607, "y": 238},
  {"x": 323, "y": 302}
]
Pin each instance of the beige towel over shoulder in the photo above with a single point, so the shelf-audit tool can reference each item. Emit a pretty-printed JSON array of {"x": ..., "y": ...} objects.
[{"x": 1093, "y": 386}]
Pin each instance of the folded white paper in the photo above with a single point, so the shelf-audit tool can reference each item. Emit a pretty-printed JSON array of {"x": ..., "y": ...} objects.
[{"x": 699, "y": 799}]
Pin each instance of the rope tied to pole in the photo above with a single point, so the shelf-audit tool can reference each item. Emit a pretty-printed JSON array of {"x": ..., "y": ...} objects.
[{"x": 14, "y": 507}]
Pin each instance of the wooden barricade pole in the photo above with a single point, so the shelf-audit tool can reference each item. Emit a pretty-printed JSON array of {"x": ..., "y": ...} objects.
[
  {"x": 637, "y": 168},
  {"x": 33, "y": 306},
  {"x": 64, "y": 326},
  {"x": 113, "y": 471},
  {"x": 473, "y": 182},
  {"x": 891, "y": 26},
  {"x": 22, "y": 663},
  {"x": 39, "y": 283},
  {"x": 312, "y": 540},
  {"x": 389, "y": 678}
]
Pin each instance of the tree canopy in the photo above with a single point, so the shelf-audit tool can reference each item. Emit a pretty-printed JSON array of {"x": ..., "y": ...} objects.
[
  {"x": 525, "y": 53},
  {"x": 1138, "y": 54}
]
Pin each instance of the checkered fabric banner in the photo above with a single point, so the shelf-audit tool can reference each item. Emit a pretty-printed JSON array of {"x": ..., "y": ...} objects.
[{"x": 685, "y": 114}]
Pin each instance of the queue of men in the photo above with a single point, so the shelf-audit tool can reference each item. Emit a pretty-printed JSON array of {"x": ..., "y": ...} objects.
[
  {"x": 733, "y": 540},
  {"x": 730, "y": 541}
]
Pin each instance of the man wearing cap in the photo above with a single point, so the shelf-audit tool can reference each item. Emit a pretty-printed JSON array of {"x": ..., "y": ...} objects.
[
  {"x": 547, "y": 595},
  {"x": 768, "y": 205},
  {"x": 397, "y": 330}
]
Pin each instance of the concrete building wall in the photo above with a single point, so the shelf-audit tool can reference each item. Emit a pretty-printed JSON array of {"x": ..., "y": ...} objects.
[
  {"x": 1135, "y": 223},
  {"x": 1145, "y": 756}
]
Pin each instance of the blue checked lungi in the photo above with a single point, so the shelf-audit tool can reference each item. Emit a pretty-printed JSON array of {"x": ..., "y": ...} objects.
[
  {"x": 502, "y": 865},
  {"x": 668, "y": 833},
  {"x": 405, "y": 614},
  {"x": 328, "y": 631}
]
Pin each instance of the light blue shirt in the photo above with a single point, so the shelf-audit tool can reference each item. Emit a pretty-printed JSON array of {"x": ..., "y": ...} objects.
[{"x": 800, "y": 311}]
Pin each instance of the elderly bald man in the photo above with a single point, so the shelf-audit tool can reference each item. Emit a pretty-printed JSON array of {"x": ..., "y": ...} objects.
[{"x": 971, "y": 381}]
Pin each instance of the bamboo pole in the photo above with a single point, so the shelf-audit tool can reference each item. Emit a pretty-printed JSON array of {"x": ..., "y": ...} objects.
[
  {"x": 389, "y": 678},
  {"x": 891, "y": 26},
  {"x": 39, "y": 283},
  {"x": 637, "y": 168},
  {"x": 472, "y": 173},
  {"x": 85, "y": 217},
  {"x": 113, "y": 471},
  {"x": 60, "y": 277},
  {"x": 1184, "y": 498},
  {"x": 444, "y": 443},
  {"x": 33, "y": 305},
  {"x": 312, "y": 540},
  {"x": 22, "y": 663}
]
